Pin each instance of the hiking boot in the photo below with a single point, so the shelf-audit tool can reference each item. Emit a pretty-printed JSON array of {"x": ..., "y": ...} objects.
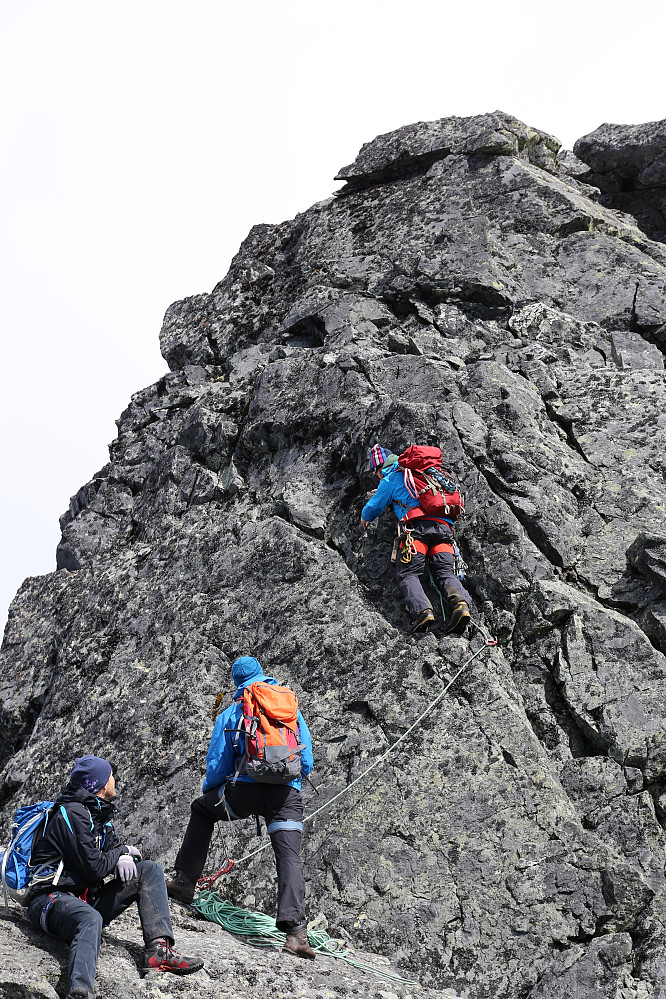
[
  {"x": 160, "y": 956},
  {"x": 79, "y": 994},
  {"x": 297, "y": 944},
  {"x": 459, "y": 619},
  {"x": 181, "y": 888},
  {"x": 424, "y": 620}
]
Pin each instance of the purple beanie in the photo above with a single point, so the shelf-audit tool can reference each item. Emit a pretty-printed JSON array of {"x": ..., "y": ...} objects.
[
  {"x": 90, "y": 772},
  {"x": 244, "y": 669}
]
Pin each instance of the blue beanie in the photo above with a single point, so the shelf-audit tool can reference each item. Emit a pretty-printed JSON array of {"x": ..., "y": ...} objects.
[
  {"x": 90, "y": 772},
  {"x": 244, "y": 669}
]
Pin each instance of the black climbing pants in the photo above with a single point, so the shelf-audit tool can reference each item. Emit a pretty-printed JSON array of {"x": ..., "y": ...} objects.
[
  {"x": 80, "y": 923},
  {"x": 282, "y": 808},
  {"x": 410, "y": 564}
]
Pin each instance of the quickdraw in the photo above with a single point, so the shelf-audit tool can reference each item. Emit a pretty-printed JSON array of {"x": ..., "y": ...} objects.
[
  {"x": 206, "y": 884},
  {"x": 408, "y": 549}
]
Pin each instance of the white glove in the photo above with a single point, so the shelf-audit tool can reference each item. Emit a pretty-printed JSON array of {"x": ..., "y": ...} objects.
[{"x": 126, "y": 868}]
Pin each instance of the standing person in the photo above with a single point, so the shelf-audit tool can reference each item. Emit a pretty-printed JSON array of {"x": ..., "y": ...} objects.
[
  {"x": 230, "y": 794},
  {"x": 429, "y": 538},
  {"x": 80, "y": 832}
]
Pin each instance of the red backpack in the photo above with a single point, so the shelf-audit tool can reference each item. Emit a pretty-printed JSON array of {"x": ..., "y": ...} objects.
[
  {"x": 437, "y": 493},
  {"x": 270, "y": 726}
]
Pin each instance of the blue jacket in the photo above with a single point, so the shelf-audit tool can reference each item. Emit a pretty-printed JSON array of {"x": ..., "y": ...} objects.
[
  {"x": 391, "y": 489},
  {"x": 221, "y": 761}
]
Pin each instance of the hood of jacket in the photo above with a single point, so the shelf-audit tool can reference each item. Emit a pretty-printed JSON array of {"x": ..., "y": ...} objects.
[{"x": 254, "y": 679}]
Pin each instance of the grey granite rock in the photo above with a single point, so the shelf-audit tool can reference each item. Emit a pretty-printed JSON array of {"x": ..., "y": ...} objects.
[
  {"x": 465, "y": 289},
  {"x": 628, "y": 165}
]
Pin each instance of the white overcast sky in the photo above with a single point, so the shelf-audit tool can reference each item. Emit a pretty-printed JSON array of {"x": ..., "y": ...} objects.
[{"x": 141, "y": 140}]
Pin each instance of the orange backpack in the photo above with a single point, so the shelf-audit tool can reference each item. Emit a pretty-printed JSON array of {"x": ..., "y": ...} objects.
[{"x": 270, "y": 725}]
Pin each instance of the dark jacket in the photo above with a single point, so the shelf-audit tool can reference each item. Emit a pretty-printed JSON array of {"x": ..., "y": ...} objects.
[{"x": 80, "y": 830}]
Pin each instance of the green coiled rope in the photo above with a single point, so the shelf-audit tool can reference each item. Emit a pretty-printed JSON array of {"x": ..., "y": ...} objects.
[{"x": 260, "y": 931}]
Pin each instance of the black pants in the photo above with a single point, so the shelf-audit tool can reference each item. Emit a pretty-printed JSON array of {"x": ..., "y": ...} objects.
[
  {"x": 80, "y": 923},
  {"x": 409, "y": 567},
  {"x": 282, "y": 808}
]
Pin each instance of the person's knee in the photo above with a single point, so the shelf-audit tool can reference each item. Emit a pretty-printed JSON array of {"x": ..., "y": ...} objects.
[
  {"x": 150, "y": 872},
  {"x": 90, "y": 923}
]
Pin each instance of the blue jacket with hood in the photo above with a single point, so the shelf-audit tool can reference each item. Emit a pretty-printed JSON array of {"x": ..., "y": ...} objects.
[
  {"x": 221, "y": 761},
  {"x": 391, "y": 489}
]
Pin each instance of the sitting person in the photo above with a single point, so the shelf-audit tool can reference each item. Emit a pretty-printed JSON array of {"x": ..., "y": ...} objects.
[{"x": 100, "y": 878}]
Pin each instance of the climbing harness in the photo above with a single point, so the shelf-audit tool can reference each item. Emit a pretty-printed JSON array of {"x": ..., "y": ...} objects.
[{"x": 261, "y": 931}]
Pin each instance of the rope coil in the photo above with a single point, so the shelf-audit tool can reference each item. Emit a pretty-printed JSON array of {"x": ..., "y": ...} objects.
[{"x": 260, "y": 931}]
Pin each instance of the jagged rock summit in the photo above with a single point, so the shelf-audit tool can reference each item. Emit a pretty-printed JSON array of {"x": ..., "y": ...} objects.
[{"x": 467, "y": 287}]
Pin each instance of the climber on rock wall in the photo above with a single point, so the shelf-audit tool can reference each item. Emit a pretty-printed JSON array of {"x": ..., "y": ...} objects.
[
  {"x": 229, "y": 793},
  {"x": 101, "y": 877},
  {"x": 423, "y": 538}
]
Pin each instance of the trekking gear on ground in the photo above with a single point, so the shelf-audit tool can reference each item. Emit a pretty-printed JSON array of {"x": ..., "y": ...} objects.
[
  {"x": 459, "y": 619},
  {"x": 17, "y": 874},
  {"x": 160, "y": 956},
  {"x": 297, "y": 944},
  {"x": 181, "y": 888},
  {"x": 429, "y": 484},
  {"x": 424, "y": 620},
  {"x": 270, "y": 725},
  {"x": 126, "y": 868}
]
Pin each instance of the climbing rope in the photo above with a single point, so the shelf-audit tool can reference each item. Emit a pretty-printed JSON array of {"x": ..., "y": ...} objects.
[
  {"x": 260, "y": 931},
  {"x": 488, "y": 642}
]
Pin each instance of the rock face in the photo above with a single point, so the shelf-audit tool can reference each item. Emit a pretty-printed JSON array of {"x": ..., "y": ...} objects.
[
  {"x": 466, "y": 289},
  {"x": 628, "y": 165}
]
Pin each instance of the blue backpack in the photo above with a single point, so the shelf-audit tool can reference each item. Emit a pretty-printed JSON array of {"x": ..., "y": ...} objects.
[{"x": 16, "y": 873}]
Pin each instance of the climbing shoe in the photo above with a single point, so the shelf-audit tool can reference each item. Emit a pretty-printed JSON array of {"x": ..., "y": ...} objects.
[
  {"x": 160, "y": 956},
  {"x": 423, "y": 620},
  {"x": 459, "y": 619},
  {"x": 297, "y": 944},
  {"x": 181, "y": 888}
]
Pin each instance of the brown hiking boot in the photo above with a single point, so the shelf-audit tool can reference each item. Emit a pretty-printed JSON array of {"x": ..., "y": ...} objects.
[
  {"x": 297, "y": 944},
  {"x": 459, "y": 619},
  {"x": 181, "y": 888},
  {"x": 423, "y": 620}
]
